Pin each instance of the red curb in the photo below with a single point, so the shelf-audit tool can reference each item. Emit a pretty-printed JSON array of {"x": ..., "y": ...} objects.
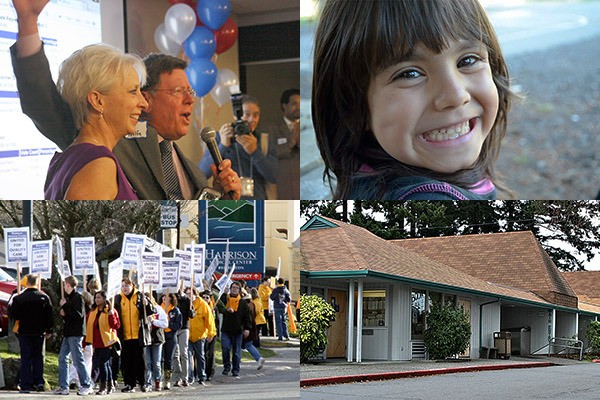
[{"x": 332, "y": 380}]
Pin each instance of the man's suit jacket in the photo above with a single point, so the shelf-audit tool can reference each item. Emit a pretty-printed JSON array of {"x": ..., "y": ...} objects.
[
  {"x": 288, "y": 180},
  {"x": 139, "y": 158}
]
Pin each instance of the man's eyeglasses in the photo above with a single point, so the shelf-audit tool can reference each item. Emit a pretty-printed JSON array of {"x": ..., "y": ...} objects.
[
  {"x": 177, "y": 92},
  {"x": 205, "y": 297}
]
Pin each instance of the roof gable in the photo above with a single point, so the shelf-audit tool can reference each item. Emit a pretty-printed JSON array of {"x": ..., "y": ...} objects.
[
  {"x": 318, "y": 222},
  {"x": 352, "y": 248},
  {"x": 515, "y": 259},
  {"x": 585, "y": 284}
]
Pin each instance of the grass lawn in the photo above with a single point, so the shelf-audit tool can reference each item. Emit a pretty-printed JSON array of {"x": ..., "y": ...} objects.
[{"x": 51, "y": 359}]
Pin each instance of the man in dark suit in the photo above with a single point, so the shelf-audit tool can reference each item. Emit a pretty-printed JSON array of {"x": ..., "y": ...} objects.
[
  {"x": 288, "y": 146},
  {"x": 170, "y": 101}
]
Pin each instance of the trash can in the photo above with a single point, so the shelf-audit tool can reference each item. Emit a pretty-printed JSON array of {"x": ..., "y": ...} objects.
[{"x": 502, "y": 343}]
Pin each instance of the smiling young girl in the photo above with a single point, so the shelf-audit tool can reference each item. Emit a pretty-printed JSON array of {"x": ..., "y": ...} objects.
[{"x": 409, "y": 99}]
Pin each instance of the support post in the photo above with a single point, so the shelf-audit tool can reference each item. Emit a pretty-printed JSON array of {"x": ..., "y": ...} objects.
[
  {"x": 359, "y": 308},
  {"x": 350, "y": 324}
]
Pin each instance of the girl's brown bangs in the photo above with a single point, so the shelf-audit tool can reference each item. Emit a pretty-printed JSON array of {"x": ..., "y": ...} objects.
[{"x": 402, "y": 25}]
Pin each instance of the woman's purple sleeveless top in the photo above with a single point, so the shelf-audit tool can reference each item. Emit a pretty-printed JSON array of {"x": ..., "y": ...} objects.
[{"x": 64, "y": 166}]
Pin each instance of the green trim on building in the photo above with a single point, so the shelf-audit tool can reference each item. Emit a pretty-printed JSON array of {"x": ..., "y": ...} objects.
[
  {"x": 316, "y": 223},
  {"x": 374, "y": 274}
]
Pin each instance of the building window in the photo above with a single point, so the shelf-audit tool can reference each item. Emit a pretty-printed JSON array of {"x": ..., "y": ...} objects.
[
  {"x": 318, "y": 292},
  {"x": 374, "y": 308},
  {"x": 450, "y": 299},
  {"x": 418, "y": 313},
  {"x": 435, "y": 300}
]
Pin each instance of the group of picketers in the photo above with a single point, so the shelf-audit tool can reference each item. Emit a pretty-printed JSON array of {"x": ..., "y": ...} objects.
[{"x": 154, "y": 343}]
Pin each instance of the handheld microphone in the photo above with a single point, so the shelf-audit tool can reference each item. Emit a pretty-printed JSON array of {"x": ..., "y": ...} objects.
[{"x": 208, "y": 135}]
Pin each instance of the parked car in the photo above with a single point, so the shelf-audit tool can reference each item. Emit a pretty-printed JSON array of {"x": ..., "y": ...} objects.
[{"x": 7, "y": 285}]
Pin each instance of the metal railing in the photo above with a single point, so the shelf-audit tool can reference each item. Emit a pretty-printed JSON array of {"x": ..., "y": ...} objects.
[{"x": 564, "y": 345}]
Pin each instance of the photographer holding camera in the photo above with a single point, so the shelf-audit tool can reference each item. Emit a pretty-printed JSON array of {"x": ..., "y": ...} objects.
[{"x": 253, "y": 155}]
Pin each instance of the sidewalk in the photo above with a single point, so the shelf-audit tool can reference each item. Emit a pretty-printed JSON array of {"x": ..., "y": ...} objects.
[
  {"x": 277, "y": 380},
  {"x": 336, "y": 371}
]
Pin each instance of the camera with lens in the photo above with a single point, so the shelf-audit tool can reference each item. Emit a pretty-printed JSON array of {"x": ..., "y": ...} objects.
[{"x": 240, "y": 127}]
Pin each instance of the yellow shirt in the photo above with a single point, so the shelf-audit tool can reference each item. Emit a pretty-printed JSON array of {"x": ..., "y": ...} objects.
[
  {"x": 263, "y": 293},
  {"x": 260, "y": 316},
  {"x": 203, "y": 324}
]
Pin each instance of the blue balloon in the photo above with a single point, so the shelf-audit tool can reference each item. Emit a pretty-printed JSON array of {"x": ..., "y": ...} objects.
[
  {"x": 213, "y": 13},
  {"x": 200, "y": 44},
  {"x": 202, "y": 74}
]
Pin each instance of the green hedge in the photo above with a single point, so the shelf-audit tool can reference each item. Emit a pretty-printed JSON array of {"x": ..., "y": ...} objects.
[{"x": 315, "y": 318}]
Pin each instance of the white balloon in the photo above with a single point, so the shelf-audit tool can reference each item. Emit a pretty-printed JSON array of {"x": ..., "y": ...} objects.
[
  {"x": 227, "y": 77},
  {"x": 164, "y": 43},
  {"x": 220, "y": 93},
  {"x": 180, "y": 21}
]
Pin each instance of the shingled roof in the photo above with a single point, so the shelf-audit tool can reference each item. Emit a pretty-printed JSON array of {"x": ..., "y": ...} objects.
[
  {"x": 585, "y": 284},
  {"x": 338, "y": 246},
  {"x": 514, "y": 259}
]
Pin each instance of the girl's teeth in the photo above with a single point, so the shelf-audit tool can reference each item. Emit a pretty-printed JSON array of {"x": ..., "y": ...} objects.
[{"x": 447, "y": 134}]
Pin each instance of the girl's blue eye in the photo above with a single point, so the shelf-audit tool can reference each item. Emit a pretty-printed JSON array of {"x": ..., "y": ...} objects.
[{"x": 468, "y": 61}]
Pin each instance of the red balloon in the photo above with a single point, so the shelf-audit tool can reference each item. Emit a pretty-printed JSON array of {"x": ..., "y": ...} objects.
[{"x": 226, "y": 36}]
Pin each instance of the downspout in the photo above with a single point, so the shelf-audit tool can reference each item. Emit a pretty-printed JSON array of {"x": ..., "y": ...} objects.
[{"x": 481, "y": 319}]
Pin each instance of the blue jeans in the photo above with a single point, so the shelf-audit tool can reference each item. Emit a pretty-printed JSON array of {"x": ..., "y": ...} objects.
[
  {"x": 153, "y": 358},
  {"x": 248, "y": 345},
  {"x": 169, "y": 351},
  {"x": 72, "y": 345},
  {"x": 32, "y": 361},
  {"x": 229, "y": 343},
  {"x": 101, "y": 363},
  {"x": 196, "y": 350},
  {"x": 280, "y": 324}
]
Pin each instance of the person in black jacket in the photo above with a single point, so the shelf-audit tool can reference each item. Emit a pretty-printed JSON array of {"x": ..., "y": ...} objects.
[
  {"x": 236, "y": 324},
  {"x": 33, "y": 309},
  {"x": 72, "y": 309},
  {"x": 181, "y": 358},
  {"x": 281, "y": 298}
]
